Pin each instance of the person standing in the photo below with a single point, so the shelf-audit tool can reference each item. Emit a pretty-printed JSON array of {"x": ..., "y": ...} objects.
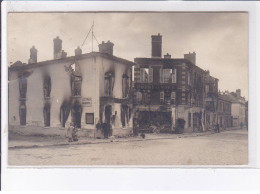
[
  {"x": 217, "y": 128},
  {"x": 69, "y": 132}
]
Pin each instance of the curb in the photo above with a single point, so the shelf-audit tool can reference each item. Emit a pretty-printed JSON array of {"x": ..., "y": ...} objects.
[{"x": 111, "y": 141}]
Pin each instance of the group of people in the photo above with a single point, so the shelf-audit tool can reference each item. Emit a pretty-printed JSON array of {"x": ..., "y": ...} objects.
[
  {"x": 72, "y": 133},
  {"x": 105, "y": 128}
]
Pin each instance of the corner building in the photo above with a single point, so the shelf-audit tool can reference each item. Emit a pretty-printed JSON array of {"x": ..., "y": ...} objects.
[{"x": 84, "y": 89}]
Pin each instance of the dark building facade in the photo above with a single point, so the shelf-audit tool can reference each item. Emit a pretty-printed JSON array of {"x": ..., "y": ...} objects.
[{"x": 168, "y": 91}]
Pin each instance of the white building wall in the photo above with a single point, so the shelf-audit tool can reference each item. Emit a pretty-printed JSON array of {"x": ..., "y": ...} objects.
[{"x": 13, "y": 99}]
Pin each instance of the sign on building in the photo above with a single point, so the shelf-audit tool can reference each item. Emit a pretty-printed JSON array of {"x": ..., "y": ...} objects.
[{"x": 87, "y": 102}]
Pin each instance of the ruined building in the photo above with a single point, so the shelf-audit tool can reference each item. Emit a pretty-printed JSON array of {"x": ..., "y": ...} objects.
[
  {"x": 170, "y": 91},
  {"x": 83, "y": 89}
]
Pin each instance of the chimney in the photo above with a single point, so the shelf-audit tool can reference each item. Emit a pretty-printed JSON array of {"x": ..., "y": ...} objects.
[
  {"x": 167, "y": 56},
  {"x": 106, "y": 47},
  {"x": 78, "y": 51},
  {"x": 57, "y": 46},
  {"x": 157, "y": 45},
  {"x": 238, "y": 92},
  {"x": 63, "y": 54},
  {"x": 33, "y": 55},
  {"x": 191, "y": 57}
]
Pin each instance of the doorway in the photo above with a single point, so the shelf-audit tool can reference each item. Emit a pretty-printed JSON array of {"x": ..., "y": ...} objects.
[
  {"x": 23, "y": 114},
  {"x": 47, "y": 115},
  {"x": 76, "y": 114},
  {"x": 108, "y": 114}
]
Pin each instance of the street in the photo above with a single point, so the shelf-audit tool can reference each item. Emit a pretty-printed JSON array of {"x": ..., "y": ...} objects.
[{"x": 225, "y": 148}]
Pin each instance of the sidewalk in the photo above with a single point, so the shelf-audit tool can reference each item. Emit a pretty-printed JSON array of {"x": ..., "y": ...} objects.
[{"x": 23, "y": 142}]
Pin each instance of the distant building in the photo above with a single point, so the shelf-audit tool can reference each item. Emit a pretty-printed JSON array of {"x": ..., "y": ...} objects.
[
  {"x": 238, "y": 109},
  {"x": 83, "y": 89},
  {"x": 211, "y": 100},
  {"x": 224, "y": 117},
  {"x": 169, "y": 91}
]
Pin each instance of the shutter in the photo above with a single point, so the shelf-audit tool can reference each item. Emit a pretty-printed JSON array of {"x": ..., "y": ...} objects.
[
  {"x": 174, "y": 76},
  {"x": 161, "y": 75},
  {"x": 150, "y": 78},
  {"x": 137, "y": 75}
]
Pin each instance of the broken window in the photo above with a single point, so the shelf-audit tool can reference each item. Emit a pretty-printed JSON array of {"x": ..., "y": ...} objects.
[
  {"x": 22, "y": 87},
  {"x": 109, "y": 83},
  {"x": 124, "y": 115},
  {"x": 64, "y": 111},
  {"x": 162, "y": 97},
  {"x": 76, "y": 86},
  {"x": 173, "y": 97},
  {"x": 76, "y": 79},
  {"x": 168, "y": 75},
  {"x": 47, "y": 115},
  {"x": 125, "y": 85},
  {"x": 47, "y": 86},
  {"x": 138, "y": 97}
]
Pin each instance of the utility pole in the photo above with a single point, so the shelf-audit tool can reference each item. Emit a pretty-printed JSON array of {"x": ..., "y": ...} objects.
[{"x": 92, "y": 34}]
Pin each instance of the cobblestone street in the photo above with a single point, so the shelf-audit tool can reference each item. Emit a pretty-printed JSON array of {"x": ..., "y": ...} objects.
[{"x": 226, "y": 148}]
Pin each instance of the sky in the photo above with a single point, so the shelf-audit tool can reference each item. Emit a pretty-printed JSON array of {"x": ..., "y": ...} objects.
[{"x": 220, "y": 40}]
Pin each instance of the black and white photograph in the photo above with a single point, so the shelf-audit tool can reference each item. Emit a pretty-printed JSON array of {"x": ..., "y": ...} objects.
[{"x": 127, "y": 88}]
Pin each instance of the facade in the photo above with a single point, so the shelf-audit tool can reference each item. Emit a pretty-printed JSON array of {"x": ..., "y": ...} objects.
[
  {"x": 238, "y": 109},
  {"x": 83, "y": 89},
  {"x": 224, "y": 118},
  {"x": 211, "y": 100},
  {"x": 169, "y": 92}
]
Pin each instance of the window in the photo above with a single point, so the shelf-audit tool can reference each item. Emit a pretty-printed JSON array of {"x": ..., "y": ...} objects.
[
  {"x": 173, "y": 97},
  {"x": 125, "y": 85},
  {"x": 206, "y": 90},
  {"x": 161, "y": 97},
  {"x": 22, "y": 87},
  {"x": 47, "y": 86},
  {"x": 47, "y": 115},
  {"x": 174, "y": 76},
  {"x": 150, "y": 78},
  {"x": 138, "y": 97},
  {"x": 144, "y": 75},
  {"x": 168, "y": 75},
  {"x": 109, "y": 83},
  {"x": 189, "y": 119},
  {"x": 89, "y": 118},
  {"x": 189, "y": 78}
]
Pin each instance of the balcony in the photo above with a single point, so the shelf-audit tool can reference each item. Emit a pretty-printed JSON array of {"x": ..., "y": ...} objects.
[{"x": 151, "y": 86}]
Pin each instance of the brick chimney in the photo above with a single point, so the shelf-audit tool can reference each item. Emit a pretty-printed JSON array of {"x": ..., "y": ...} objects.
[
  {"x": 78, "y": 51},
  {"x": 157, "y": 45},
  {"x": 191, "y": 57},
  {"x": 238, "y": 93},
  {"x": 167, "y": 56},
  {"x": 106, "y": 47},
  {"x": 57, "y": 48},
  {"x": 33, "y": 55}
]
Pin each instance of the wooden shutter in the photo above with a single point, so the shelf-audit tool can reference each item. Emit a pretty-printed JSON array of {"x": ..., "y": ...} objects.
[{"x": 150, "y": 77}]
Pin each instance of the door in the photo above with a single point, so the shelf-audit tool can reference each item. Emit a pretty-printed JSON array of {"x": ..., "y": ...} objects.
[
  {"x": 76, "y": 115},
  {"x": 108, "y": 114},
  {"x": 23, "y": 115}
]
